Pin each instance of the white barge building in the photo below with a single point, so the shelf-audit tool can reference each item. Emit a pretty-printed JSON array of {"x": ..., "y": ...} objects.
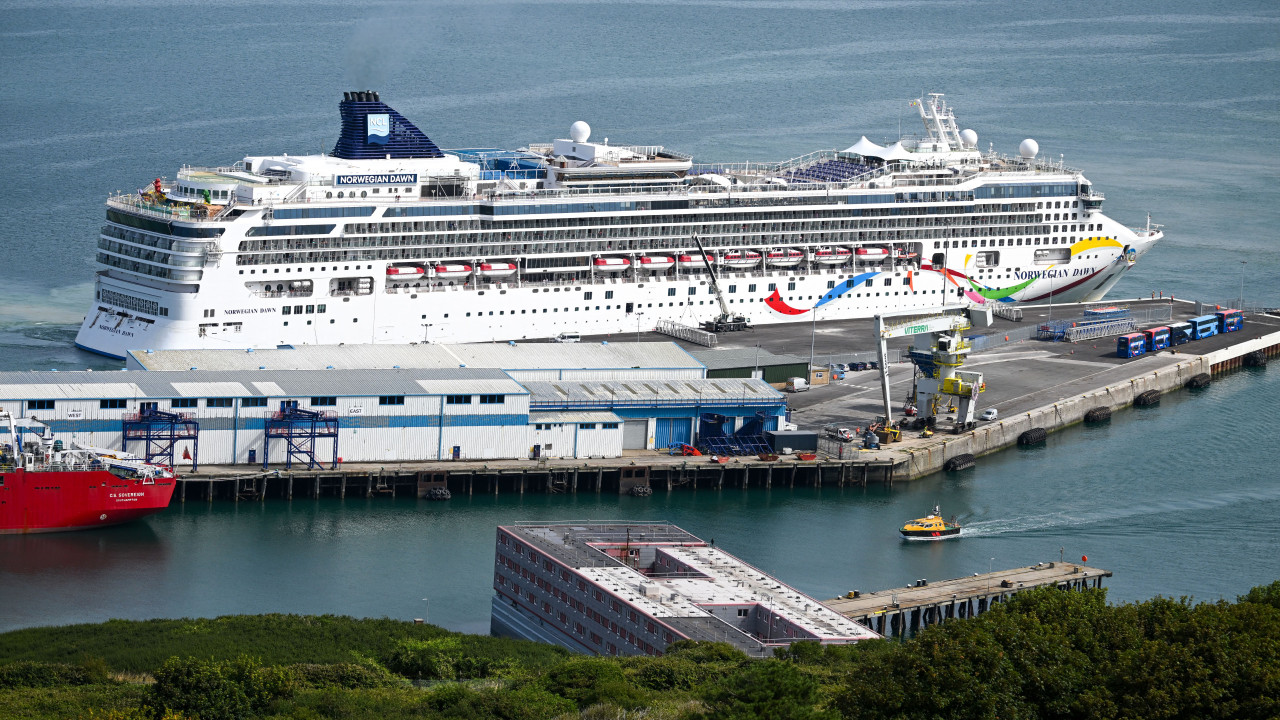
[{"x": 630, "y": 588}]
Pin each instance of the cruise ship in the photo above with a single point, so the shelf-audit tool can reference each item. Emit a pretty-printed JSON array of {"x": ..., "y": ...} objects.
[{"x": 389, "y": 239}]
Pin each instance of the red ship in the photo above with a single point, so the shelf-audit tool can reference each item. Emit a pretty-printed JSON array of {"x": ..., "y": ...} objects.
[{"x": 46, "y": 487}]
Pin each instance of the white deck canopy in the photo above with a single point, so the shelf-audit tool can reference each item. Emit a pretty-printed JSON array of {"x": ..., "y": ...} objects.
[{"x": 865, "y": 148}]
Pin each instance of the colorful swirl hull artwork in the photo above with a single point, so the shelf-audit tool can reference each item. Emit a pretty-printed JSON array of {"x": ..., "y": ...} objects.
[{"x": 976, "y": 293}]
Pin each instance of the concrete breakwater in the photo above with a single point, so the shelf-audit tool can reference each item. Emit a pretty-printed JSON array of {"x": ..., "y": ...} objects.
[{"x": 930, "y": 457}]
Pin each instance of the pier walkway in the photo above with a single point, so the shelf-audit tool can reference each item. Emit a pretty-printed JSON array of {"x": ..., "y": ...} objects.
[{"x": 902, "y": 611}]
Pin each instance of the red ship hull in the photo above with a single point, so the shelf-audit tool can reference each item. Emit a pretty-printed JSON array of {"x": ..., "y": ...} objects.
[{"x": 39, "y": 501}]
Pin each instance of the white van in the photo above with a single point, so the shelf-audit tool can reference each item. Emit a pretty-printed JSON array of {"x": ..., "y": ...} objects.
[
  {"x": 797, "y": 384},
  {"x": 566, "y": 337}
]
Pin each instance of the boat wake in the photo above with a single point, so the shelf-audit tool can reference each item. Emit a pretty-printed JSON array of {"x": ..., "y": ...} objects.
[{"x": 1078, "y": 518}]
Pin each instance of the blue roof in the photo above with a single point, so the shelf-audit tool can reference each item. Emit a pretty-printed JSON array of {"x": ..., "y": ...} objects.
[{"x": 365, "y": 139}]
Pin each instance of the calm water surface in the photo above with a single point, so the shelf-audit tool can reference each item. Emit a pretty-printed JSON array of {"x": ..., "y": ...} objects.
[{"x": 1167, "y": 107}]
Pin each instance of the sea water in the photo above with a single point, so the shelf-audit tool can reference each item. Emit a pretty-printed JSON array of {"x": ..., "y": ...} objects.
[{"x": 1167, "y": 108}]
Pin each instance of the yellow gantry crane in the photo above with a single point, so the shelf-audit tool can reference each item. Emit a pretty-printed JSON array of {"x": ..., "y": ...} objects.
[{"x": 943, "y": 381}]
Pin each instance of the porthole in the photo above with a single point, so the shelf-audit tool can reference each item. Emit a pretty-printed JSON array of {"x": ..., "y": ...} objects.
[
  {"x": 364, "y": 193},
  {"x": 340, "y": 193},
  {"x": 329, "y": 194}
]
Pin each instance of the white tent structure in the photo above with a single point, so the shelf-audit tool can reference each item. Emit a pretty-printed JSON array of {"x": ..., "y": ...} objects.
[
  {"x": 896, "y": 152},
  {"x": 865, "y": 148}
]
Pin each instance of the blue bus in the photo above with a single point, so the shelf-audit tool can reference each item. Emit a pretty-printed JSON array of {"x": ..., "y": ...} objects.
[
  {"x": 1204, "y": 326},
  {"x": 1229, "y": 320},
  {"x": 1157, "y": 338},
  {"x": 1180, "y": 333},
  {"x": 1131, "y": 345}
]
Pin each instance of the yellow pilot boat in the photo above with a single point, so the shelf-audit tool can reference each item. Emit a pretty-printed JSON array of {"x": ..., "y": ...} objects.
[{"x": 930, "y": 527}]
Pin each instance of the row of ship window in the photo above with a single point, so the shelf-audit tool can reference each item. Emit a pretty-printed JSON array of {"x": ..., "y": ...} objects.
[{"x": 724, "y": 233}]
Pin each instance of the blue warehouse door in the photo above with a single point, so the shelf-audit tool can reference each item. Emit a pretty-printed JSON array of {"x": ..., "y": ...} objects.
[{"x": 673, "y": 431}]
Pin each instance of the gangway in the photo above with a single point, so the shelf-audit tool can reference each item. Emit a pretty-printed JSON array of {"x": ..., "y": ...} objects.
[
  {"x": 300, "y": 429},
  {"x": 684, "y": 332},
  {"x": 1110, "y": 328},
  {"x": 160, "y": 431}
]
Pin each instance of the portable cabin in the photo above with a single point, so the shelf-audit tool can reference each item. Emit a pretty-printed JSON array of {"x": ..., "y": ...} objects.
[
  {"x": 1157, "y": 338},
  {"x": 1229, "y": 320},
  {"x": 1131, "y": 345},
  {"x": 1180, "y": 333},
  {"x": 1204, "y": 326}
]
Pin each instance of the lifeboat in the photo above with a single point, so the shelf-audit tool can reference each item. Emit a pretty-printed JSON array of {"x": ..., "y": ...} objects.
[
  {"x": 694, "y": 261},
  {"x": 740, "y": 258},
  {"x": 930, "y": 527},
  {"x": 870, "y": 253},
  {"x": 784, "y": 257},
  {"x": 657, "y": 262},
  {"x": 612, "y": 264},
  {"x": 832, "y": 256},
  {"x": 446, "y": 272},
  {"x": 404, "y": 271},
  {"x": 498, "y": 269}
]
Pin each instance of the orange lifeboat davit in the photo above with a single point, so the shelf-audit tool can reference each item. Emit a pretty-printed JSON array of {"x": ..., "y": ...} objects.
[
  {"x": 784, "y": 257},
  {"x": 452, "y": 271},
  {"x": 497, "y": 269},
  {"x": 740, "y": 258},
  {"x": 832, "y": 256},
  {"x": 657, "y": 262},
  {"x": 694, "y": 262},
  {"x": 612, "y": 264}
]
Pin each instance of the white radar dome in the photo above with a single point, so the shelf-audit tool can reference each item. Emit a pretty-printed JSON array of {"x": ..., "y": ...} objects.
[
  {"x": 579, "y": 131},
  {"x": 1029, "y": 148},
  {"x": 969, "y": 138}
]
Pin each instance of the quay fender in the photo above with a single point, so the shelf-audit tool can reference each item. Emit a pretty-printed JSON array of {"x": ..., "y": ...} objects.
[
  {"x": 1201, "y": 380},
  {"x": 963, "y": 461},
  {"x": 1147, "y": 398},
  {"x": 1098, "y": 415},
  {"x": 1034, "y": 436}
]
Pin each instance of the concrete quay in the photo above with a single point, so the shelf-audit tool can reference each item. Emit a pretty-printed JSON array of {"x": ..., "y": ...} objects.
[
  {"x": 903, "y": 611},
  {"x": 1033, "y": 384}
]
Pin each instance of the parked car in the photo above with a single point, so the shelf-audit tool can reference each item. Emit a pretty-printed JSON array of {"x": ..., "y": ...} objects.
[
  {"x": 568, "y": 337},
  {"x": 797, "y": 384},
  {"x": 859, "y": 366},
  {"x": 989, "y": 414}
]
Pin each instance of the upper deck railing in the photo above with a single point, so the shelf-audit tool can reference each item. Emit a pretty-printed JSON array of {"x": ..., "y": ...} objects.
[{"x": 899, "y": 177}]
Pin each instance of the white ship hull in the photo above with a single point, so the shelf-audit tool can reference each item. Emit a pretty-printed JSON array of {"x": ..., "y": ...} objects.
[{"x": 295, "y": 256}]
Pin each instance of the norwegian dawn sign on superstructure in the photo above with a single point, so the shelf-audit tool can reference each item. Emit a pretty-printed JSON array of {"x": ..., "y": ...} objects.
[{"x": 388, "y": 239}]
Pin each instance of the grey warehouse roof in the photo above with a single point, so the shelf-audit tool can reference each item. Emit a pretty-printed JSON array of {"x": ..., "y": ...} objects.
[
  {"x": 46, "y": 385},
  {"x": 518, "y": 356},
  {"x": 643, "y": 391},
  {"x": 744, "y": 357}
]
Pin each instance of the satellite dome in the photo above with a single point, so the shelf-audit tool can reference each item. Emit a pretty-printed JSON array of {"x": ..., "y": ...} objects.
[
  {"x": 1029, "y": 148},
  {"x": 579, "y": 131},
  {"x": 969, "y": 138}
]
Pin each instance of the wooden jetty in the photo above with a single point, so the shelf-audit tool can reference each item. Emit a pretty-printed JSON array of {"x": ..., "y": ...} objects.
[
  {"x": 903, "y": 611},
  {"x": 656, "y": 473}
]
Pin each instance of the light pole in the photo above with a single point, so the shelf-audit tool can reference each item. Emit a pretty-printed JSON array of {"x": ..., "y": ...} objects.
[
  {"x": 1242, "y": 264},
  {"x": 427, "y": 618},
  {"x": 638, "y": 316},
  {"x": 990, "y": 563},
  {"x": 813, "y": 333},
  {"x": 426, "y": 331}
]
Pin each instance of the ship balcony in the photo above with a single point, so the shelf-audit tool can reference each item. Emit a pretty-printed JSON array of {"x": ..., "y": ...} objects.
[
  {"x": 1091, "y": 202},
  {"x": 137, "y": 205}
]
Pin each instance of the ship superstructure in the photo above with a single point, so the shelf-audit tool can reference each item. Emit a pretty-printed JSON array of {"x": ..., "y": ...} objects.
[{"x": 389, "y": 239}]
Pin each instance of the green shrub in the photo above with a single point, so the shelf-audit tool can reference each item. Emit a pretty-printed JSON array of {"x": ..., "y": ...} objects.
[
  {"x": 672, "y": 673},
  {"x": 589, "y": 680},
  {"x": 702, "y": 652},
  {"x": 209, "y": 690},
  {"x": 45, "y": 675},
  {"x": 344, "y": 675},
  {"x": 766, "y": 689}
]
